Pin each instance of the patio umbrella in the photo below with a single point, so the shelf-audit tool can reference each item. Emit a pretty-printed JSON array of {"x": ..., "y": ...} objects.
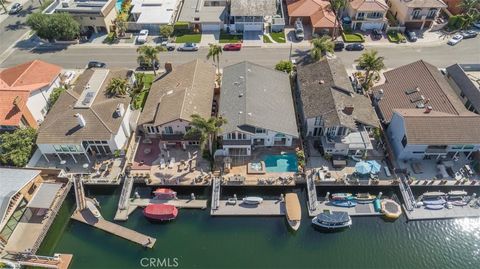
[
  {"x": 374, "y": 166},
  {"x": 363, "y": 168}
]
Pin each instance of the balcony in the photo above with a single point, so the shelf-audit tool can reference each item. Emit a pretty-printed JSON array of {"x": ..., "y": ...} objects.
[{"x": 419, "y": 17}]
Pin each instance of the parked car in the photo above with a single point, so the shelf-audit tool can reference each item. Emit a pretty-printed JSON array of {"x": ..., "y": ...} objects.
[
  {"x": 148, "y": 66},
  {"x": 477, "y": 24},
  {"x": 15, "y": 9},
  {"x": 455, "y": 40},
  {"x": 142, "y": 36},
  {"x": 411, "y": 36},
  {"x": 188, "y": 47},
  {"x": 377, "y": 34},
  {"x": 338, "y": 46},
  {"x": 96, "y": 64},
  {"x": 234, "y": 46},
  {"x": 299, "y": 33},
  {"x": 469, "y": 34},
  {"x": 355, "y": 46},
  {"x": 168, "y": 46}
]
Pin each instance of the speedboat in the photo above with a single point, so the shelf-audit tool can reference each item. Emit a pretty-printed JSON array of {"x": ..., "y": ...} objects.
[
  {"x": 293, "y": 210},
  {"x": 342, "y": 196},
  {"x": 332, "y": 220},
  {"x": 344, "y": 203},
  {"x": 458, "y": 198},
  {"x": 434, "y": 207},
  {"x": 364, "y": 198},
  {"x": 160, "y": 212},
  {"x": 457, "y": 193},
  {"x": 252, "y": 200},
  {"x": 433, "y": 194},
  {"x": 434, "y": 201},
  {"x": 165, "y": 194}
]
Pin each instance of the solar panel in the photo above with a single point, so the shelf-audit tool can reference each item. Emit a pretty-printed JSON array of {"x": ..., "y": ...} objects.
[{"x": 410, "y": 91}]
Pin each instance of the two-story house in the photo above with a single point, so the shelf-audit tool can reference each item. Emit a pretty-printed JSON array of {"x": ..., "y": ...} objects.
[
  {"x": 331, "y": 111},
  {"x": 252, "y": 15},
  {"x": 24, "y": 93},
  {"x": 151, "y": 14},
  {"x": 257, "y": 103},
  {"x": 206, "y": 15},
  {"x": 367, "y": 14},
  {"x": 316, "y": 13},
  {"x": 416, "y": 14},
  {"x": 185, "y": 90},
  {"x": 465, "y": 80}
]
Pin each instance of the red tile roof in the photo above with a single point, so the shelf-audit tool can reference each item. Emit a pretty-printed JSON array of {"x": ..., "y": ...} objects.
[{"x": 319, "y": 11}]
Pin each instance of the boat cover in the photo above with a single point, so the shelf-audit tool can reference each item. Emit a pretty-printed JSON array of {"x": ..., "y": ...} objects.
[
  {"x": 334, "y": 217},
  {"x": 292, "y": 204}
]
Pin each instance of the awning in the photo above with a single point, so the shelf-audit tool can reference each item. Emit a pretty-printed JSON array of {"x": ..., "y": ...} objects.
[{"x": 45, "y": 195}]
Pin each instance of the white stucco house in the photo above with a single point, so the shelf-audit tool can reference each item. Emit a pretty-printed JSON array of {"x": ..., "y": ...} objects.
[
  {"x": 151, "y": 14},
  {"x": 253, "y": 15}
]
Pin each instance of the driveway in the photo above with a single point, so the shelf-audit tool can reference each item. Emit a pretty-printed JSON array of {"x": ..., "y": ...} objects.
[
  {"x": 210, "y": 37},
  {"x": 253, "y": 38}
]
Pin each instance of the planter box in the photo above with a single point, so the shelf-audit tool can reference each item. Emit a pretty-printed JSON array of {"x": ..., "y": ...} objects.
[{"x": 71, "y": 42}]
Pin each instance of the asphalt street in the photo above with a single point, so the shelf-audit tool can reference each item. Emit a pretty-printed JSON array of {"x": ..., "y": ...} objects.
[{"x": 14, "y": 27}]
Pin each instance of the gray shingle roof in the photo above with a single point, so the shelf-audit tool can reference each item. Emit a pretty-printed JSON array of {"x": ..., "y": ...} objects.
[
  {"x": 469, "y": 89},
  {"x": 256, "y": 96},
  {"x": 187, "y": 90},
  {"x": 325, "y": 90},
  {"x": 196, "y": 11},
  {"x": 60, "y": 125},
  {"x": 253, "y": 7}
]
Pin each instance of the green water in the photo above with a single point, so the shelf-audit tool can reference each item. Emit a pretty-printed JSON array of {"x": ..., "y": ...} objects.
[{"x": 200, "y": 241}]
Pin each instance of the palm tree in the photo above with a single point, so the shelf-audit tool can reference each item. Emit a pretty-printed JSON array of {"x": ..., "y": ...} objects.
[
  {"x": 121, "y": 24},
  {"x": 336, "y": 5},
  {"x": 214, "y": 52},
  {"x": 469, "y": 6},
  {"x": 206, "y": 129},
  {"x": 372, "y": 64},
  {"x": 321, "y": 46},
  {"x": 118, "y": 87},
  {"x": 148, "y": 55}
]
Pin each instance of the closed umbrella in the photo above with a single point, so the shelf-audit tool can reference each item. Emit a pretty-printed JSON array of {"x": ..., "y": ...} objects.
[
  {"x": 374, "y": 166},
  {"x": 363, "y": 168}
]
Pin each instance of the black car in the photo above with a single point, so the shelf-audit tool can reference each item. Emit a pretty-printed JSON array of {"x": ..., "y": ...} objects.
[
  {"x": 412, "y": 37},
  {"x": 377, "y": 34},
  {"x": 354, "y": 46},
  {"x": 95, "y": 64},
  {"x": 148, "y": 66},
  {"x": 469, "y": 34},
  {"x": 338, "y": 46}
]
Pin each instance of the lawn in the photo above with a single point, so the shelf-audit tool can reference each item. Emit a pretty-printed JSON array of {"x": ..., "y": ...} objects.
[
  {"x": 229, "y": 38},
  {"x": 278, "y": 37},
  {"x": 139, "y": 100},
  {"x": 395, "y": 37},
  {"x": 187, "y": 36},
  {"x": 266, "y": 39},
  {"x": 353, "y": 38}
]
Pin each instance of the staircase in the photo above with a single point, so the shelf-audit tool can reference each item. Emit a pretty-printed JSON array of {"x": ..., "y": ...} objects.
[{"x": 79, "y": 193}]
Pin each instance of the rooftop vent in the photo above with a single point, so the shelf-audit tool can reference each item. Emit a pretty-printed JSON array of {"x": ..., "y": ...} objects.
[
  {"x": 80, "y": 120},
  {"x": 428, "y": 109},
  {"x": 120, "y": 110},
  {"x": 321, "y": 82},
  {"x": 410, "y": 91}
]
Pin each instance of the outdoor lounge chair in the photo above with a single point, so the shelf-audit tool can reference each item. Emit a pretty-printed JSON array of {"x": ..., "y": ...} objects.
[
  {"x": 162, "y": 163},
  {"x": 171, "y": 163}
]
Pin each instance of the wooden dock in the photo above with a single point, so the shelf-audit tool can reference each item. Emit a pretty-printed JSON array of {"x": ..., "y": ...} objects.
[
  {"x": 58, "y": 261},
  {"x": 179, "y": 203},
  {"x": 266, "y": 208},
  {"x": 87, "y": 217},
  {"x": 358, "y": 210},
  {"x": 445, "y": 213}
]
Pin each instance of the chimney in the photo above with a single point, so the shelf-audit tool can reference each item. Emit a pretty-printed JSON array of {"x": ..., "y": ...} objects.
[
  {"x": 120, "y": 111},
  {"x": 80, "y": 120},
  {"x": 348, "y": 110},
  {"x": 428, "y": 109},
  {"x": 168, "y": 67}
]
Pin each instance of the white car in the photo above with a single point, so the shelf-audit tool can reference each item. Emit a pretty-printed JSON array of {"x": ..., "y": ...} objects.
[
  {"x": 455, "y": 39},
  {"x": 142, "y": 36}
]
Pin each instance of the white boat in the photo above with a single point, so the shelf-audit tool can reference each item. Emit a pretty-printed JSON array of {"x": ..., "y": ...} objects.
[
  {"x": 293, "y": 210},
  {"x": 252, "y": 200},
  {"x": 457, "y": 193},
  {"x": 433, "y": 194},
  {"x": 332, "y": 220}
]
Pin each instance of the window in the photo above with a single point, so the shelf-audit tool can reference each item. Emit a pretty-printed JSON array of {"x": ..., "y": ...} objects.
[
  {"x": 468, "y": 147},
  {"x": 462, "y": 94},
  {"x": 260, "y": 131},
  {"x": 418, "y": 152},
  {"x": 229, "y": 136},
  {"x": 57, "y": 148},
  {"x": 360, "y": 15},
  {"x": 187, "y": 128},
  {"x": 234, "y": 136},
  {"x": 169, "y": 130},
  {"x": 431, "y": 13},
  {"x": 404, "y": 141},
  {"x": 416, "y": 14},
  {"x": 318, "y": 121},
  {"x": 457, "y": 147}
]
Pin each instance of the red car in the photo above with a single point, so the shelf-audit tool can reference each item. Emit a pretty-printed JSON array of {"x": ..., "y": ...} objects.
[{"x": 236, "y": 46}]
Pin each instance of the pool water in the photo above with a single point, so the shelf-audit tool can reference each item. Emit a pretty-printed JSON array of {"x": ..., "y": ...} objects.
[
  {"x": 281, "y": 163},
  {"x": 118, "y": 5}
]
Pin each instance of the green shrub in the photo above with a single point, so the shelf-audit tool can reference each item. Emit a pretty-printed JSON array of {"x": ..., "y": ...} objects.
[
  {"x": 284, "y": 66},
  {"x": 353, "y": 38},
  {"x": 181, "y": 25},
  {"x": 111, "y": 37}
]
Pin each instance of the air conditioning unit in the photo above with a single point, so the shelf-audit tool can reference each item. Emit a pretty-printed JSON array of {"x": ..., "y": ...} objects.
[{"x": 65, "y": 3}]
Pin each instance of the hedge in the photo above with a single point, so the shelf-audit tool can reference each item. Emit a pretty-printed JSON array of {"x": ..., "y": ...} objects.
[
  {"x": 181, "y": 25},
  {"x": 353, "y": 38}
]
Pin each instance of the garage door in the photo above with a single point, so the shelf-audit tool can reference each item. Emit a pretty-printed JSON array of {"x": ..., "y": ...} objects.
[
  {"x": 210, "y": 27},
  {"x": 253, "y": 27},
  {"x": 371, "y": 25}
]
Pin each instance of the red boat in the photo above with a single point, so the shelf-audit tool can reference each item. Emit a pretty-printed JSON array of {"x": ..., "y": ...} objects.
[
  {"x": 160, "y": 212},
  {"x": 163, "y": 193}
]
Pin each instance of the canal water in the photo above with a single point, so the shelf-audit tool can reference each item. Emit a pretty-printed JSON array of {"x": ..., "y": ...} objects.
[{"x": 196, "y": 240}]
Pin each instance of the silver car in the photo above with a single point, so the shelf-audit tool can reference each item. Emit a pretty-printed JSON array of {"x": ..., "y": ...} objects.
[{"x": 188, "y": 47}]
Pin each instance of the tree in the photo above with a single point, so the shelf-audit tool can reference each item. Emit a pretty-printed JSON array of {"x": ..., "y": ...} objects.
[
  {"x": 54, "y": 96},
  {"x": 60, "y": 26},
  {"x": 148, "y": 55},
  {"x": 372, "y": 64},
  {"x": 320, "y": 48},
  {"x": 118, "y": 87},
  {"x": 284, "y": 66},
  {"x": 16, "y": 148},
  {"x": 336, "y": 6},
  {"x": 120, "y": 24},
  {"x": 139, "y": 84},
  {"x": 205, "y": 129},
  {"x": 469, "y": 6},
  {"x": 166, "y": 30},
  {"x": 214, "y": 52}
]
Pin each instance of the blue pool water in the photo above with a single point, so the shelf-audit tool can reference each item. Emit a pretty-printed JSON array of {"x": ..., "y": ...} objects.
[
  {"x": 118, "y": 5},
  {"x": 281, "y": 163}
]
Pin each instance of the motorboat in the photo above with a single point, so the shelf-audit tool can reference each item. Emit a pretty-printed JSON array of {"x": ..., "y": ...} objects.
[
  {"x": 460, "y": 202},
  {"x": 364, "y": 198},
  {"x": 293, "y": 210},
  {"x": 344, "y": 203},
  {"x": 252, "y": 200},
  {"x": 342, "y": 196},
  {"x": 434, "y": 201},
  {"x": 332, "y": 220},
  {"x": 434, "y": 207},
  {"x": 160, "y": 212},
  {"x": 457, "y": 193},
  {"x": 165, "y": 194}
]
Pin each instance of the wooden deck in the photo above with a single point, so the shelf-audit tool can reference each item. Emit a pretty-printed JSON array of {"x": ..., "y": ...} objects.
[
  {"x": 58, "y": 261},
  {"x": 87, "y": 217},
  {"x": 445, "y": 213},
  {"x": 266, "y": 208},
  {"x": 179, "y": 203}
]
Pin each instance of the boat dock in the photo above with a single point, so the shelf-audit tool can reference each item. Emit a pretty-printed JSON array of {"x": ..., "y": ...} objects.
[
  {"x": 358, "y": 210},
  {"x": 179, "y": 203},
  {"x": 422, "y": 213},
  {"x": 58, "y": 261}
]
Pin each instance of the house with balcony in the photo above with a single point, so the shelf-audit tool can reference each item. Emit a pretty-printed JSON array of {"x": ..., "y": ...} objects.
[
  {"x": 257, "y": 103},
  {"x": 151, "y": 14},
  {"x": 183, "y": 91},
  {"x": 206, "y": 15},
  {"x": 367, "y": 14},
  {"x": 316, "y": 13},
  {"x": 24, "y": 93},
  {"x": 331, "y": 113},
  {"x": 416, "y": 14},
  {"x": 254, "y": 15}
]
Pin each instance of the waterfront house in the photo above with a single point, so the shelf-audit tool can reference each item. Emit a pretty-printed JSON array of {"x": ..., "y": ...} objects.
[
  {"x": 205, "y": 15},
  {"x": 257, "y": 103},
  {"x": 184, "y": 90},
  {"x": 465, "y": 80},
  {"x": 24, "y": 93},
  {"x": 425, "y": 119},
  {"x": 29, "y": 201},
  {"x": 95, "y": 16},
  {"x": 252, "y": 15},
  {"x": 416, "y": 14},
  {"x": 367, "y": 14},
  {"x": 315, "y": 13},
  {"x": 86, "y": 122},
  {"x": 151, "y": 14},
  {"x": 331, "y": 112}
]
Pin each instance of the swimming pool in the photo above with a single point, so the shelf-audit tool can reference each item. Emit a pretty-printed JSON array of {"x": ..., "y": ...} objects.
[
  {"x": 118, "y": 5},
  {"x": 281, "y": 163}
]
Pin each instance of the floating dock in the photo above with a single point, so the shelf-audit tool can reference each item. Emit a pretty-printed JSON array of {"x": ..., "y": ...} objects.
[
  {"x": 421, "y": 213},
  {"x": 266, "y": 208},
  {"x": 358, "y": 210},
  {"x": 179, "y": 203}
]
